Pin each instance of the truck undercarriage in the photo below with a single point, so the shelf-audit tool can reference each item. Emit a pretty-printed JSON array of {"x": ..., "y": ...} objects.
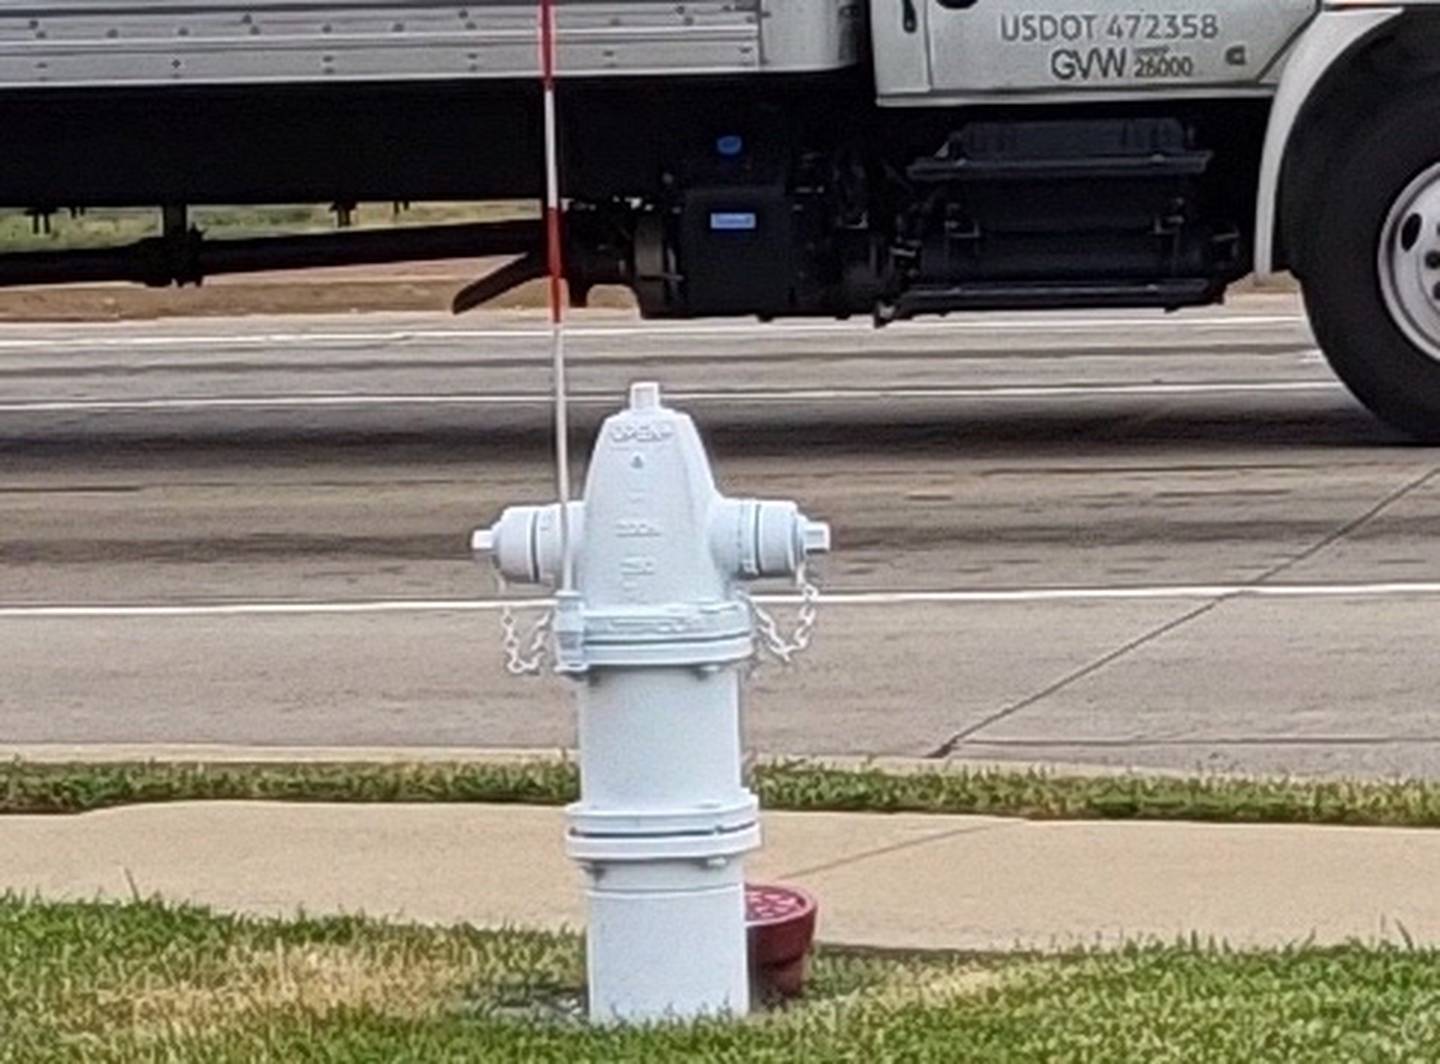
[{"x": 771, "y": 196}]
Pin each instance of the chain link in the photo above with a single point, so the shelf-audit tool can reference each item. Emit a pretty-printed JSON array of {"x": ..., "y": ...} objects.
[
  {"x": 782, "y": 648},
  {"x": 524, "y": 655}
]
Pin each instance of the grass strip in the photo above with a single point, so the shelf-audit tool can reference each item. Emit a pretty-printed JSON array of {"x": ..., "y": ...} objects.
[
  {"x": 35, "y": 787},
  {"x": 144, "y": 981},
  {"x": 107, "y": 227}
]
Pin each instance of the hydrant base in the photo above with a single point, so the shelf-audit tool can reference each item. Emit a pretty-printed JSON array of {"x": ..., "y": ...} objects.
[{"x": 667, "y": 954}]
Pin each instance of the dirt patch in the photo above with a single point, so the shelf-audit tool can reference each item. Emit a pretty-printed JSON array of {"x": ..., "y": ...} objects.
[
  {"x": 408, "y": 287},
  {"x": 416, "y": 287},
  {"x": 312, "y": 979},
  {"x": 1279, "y": 284}
]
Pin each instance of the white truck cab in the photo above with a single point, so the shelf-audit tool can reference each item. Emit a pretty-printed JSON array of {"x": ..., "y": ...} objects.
[
  {"x": 775, "y": 158},
  {"x": 947, "y": 52}
]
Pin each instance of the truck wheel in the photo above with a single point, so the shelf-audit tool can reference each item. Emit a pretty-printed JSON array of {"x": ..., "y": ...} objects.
[{"x": 1371, "y": 274}]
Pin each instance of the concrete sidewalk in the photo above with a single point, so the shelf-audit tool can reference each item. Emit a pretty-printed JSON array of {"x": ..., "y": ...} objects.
[{"x": 896, "y": 881}]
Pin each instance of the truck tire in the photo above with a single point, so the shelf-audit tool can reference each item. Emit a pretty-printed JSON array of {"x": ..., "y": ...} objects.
[{"x": 1370, "y": 269}]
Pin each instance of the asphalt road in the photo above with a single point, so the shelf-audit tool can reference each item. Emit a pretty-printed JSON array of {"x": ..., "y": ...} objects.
[{"x": 1119, "y": 539}]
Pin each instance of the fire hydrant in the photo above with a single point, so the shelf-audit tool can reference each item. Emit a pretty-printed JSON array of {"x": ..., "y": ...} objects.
[{"x": 656, "y": 631}]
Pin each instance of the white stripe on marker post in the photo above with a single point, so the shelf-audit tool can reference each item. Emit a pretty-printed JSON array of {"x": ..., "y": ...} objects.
[{"x": 555, "y": 260}]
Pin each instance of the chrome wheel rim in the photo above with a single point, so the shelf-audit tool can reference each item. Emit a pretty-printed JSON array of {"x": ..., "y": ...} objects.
[{"x": 1410, "y": 262}]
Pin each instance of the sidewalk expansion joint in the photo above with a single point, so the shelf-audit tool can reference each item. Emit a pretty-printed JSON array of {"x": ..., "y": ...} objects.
[{"x": 900, "y": 847}]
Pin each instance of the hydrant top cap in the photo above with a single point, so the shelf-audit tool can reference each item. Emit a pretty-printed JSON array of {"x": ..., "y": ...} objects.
[{"x": 645, "y": 395}]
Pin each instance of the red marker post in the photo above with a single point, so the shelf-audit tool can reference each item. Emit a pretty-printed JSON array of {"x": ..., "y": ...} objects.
[{"x": 555, "y": 261}]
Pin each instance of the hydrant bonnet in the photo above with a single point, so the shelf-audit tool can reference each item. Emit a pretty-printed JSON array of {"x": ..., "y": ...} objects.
[{"x": 658, "y": 551}]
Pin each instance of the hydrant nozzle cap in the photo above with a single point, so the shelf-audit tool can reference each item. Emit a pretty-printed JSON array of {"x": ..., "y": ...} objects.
[
  {"x": 482, "y": 541},
  {"x": 815, "y": 536},
  {"x": 645, "y": 395}
]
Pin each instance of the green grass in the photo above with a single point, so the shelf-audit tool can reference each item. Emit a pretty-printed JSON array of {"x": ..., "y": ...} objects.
[
  {"x": 110, "y": 226},
  {"x": 148, "y": 982},
  {"x": 30, "y": 787}
]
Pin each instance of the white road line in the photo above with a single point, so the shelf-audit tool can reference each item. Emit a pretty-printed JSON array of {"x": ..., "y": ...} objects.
[
  {"x": 778, "y": 395},
  {"x": 1038, "y": 323},
  {"x": 1397, "y": 589},
  {"x": 1403, "y": 589}
]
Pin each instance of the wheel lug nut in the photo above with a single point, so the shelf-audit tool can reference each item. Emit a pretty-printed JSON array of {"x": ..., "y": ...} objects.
[
  {"x": 1435, "y": 291},
  {"x": 1432, "y": 260}
]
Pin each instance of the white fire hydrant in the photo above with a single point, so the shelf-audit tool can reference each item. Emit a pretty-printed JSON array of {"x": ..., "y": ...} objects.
[{"x": 656, "y": 631}]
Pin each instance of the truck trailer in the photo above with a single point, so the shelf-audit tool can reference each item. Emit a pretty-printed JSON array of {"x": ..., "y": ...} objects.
[{"x": 779, "y": 158}]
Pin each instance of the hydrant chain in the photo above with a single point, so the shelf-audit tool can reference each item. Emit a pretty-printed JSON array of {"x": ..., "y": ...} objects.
[
  {"x": 529, "y": 660},
  {"x": 783, "y": 648}
]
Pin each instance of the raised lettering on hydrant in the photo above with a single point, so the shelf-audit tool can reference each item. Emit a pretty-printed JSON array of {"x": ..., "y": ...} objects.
[{"x": 656, "y": 631}]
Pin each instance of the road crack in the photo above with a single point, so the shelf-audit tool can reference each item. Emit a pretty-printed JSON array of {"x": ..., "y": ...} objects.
[{"x": 950, "y": 745}]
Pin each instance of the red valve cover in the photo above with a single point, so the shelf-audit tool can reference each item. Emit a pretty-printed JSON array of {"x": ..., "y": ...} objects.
[{"x": 781, "y": 924}]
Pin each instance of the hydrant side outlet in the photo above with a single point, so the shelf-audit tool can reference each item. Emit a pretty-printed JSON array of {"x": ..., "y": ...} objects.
[
  {"x": 525, "y": 542},
  {"x": 656, "y": 629}
]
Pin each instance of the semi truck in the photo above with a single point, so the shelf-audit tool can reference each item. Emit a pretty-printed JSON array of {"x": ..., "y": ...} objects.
[{"x": 778, "y": 158}]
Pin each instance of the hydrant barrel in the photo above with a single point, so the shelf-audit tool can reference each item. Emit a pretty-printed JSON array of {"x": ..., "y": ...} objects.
[
  {"x": 661, "y": 831},
  {"x": 635, "y": 723}
]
